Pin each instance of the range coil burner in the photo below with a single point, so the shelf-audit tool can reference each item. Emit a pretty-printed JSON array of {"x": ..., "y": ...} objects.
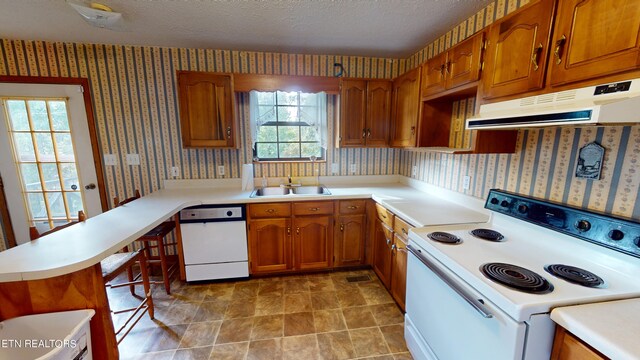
[
  {"x": 487, "y": 234},
  {"x": 517, "y": 278},
  {"x": 444, "y": 237},
  {"x": 575, "y": 275}
]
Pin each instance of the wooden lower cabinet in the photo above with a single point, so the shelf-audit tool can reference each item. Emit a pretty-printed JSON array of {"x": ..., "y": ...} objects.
[
  {"x": 313, "y": 242},
  {"x": 350, "y": 240},
  {"x": 398, "y": 287},
  {"x": 382, "y": 240},
  {"x": 270, "y": 245},
  {"x": 566, "y": 346}
]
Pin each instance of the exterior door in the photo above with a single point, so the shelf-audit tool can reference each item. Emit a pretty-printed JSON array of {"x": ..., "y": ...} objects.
[{"x": 46, "y": 157}]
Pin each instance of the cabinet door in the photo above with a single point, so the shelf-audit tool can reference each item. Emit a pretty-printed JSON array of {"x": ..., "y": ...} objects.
[
  {"x": 378, "y": 112},
  {"x": 405, "y": 109},
  {"x": 350, "y": 240},
  {"x": 353, "y": 101},
  {"x": 433, "y": 75},
  {"x": 313, "y": 242},
  {"x": 593, "y": 38},
  {"x": 270, "y": 245},
  {"x": 206, "y": 109},
  {"x": 399, "y": 270},
  {"x": 382, "y": 240},
  {"x": 517, "y": 51},
  {"x": 463, "y": 62}
]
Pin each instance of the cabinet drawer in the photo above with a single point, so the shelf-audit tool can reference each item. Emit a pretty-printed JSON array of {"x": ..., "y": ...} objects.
[
  {"x": 385, "y": 215},
  {"x": 401, "y": 227},
  {"x": 352, "y": 207},
  {"x": 313, "y": 208},
  {"x": 269, "y": 210}
]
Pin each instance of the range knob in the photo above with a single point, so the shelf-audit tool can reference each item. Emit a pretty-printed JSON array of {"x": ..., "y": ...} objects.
[
  {"x": 522, "y": 208},
  {"x": 495, "y": 201},
  {"x": 504, "y": 203},
  {"x": 616, "y": 235},
  {"x": 583, "y": 225}
]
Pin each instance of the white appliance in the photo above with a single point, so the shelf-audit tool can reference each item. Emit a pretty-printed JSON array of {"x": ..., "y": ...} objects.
[
  {"x": 615, "y": 103},
  {"x": 455, "y": 311},
  {"x": 214, "y": 242}
]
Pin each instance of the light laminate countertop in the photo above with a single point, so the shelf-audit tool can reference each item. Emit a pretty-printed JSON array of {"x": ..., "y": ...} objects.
[
  {"x": 610, "y": 327},
  {"x": 85, "y": 244}
]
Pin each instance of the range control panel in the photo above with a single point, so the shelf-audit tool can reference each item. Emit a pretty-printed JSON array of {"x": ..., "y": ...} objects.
[{"x": 616, "y": 233}]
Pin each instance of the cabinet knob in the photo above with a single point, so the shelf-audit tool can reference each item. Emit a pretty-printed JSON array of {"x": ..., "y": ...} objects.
[
  {"x": 352, "y": 207},
  {"x": 341, "y": 227},
  {"x": 229, "y": 132},
  {"x": 559, "y": 45},
  {"x": 364, "y": 133},
  {"x": 314, "y": 209},
  {"x": 393, "y": 247},
  {"x": 289, "y": 230},
  {"x": 413, "y": 130},
  {"x": 298, "y": 231},
  {"x": 270, "y": 211},
  {"x": 404, "y": 231},
  {"x": 368, "y": 132},
  {"x": 388, "y": 241}
]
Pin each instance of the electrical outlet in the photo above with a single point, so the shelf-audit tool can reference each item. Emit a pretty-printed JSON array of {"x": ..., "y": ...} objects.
[
  {"x": 133, "y": 159},
  {"x": 175, "y": 171},
  {"x": 466, "y": 182},
  {"x": 353, "y": 168},
  {"x": 334, "y": 168},
  {"x": 221, "y": 170},
  {"x": 414, "y": 171},
  {"x": 110, "y": 160}
]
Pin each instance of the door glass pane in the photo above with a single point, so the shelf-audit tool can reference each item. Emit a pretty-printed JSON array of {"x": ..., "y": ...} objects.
[
  {"x": 30, "y": 177},
  {"x": 59, "y": 118},
  {"x": 69, "y": 176},
  {"x": 24, "y": 147},
  {"x": 36, "y": 206},
  {"x": 56, "y": 204},
  {"x": 50, "y": 176},
  {"x": 39, "y": 117},
  {"x": 45, "y": 147},
  {"x": 74, "y": 200},
  {"x": 18, "y": 115},
  {"x": 64, "y": 147}
]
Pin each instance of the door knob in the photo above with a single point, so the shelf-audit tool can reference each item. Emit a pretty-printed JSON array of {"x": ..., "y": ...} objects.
[{"x": 90, "y": 186}]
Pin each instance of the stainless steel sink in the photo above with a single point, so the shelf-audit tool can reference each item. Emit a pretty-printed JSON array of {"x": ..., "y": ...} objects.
[{"x": 286, "y": 190}]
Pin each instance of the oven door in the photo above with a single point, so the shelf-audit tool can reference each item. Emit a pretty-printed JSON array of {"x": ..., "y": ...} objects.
[{"x": 449, "y": 320}]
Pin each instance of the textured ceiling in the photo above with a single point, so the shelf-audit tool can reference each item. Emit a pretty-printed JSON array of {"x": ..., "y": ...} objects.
[{"x": 384, "y": 28}]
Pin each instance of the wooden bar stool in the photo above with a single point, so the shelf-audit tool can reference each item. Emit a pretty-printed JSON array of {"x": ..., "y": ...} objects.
[
  {"x": 156, "y": 239},
  {"x": 112, "y": 266}
]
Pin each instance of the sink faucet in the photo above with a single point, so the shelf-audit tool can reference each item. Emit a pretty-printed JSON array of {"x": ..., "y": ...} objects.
[{"x": 289, "y": 179}]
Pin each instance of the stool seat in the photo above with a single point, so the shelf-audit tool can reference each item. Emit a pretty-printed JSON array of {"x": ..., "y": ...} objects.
[{"x": 114, "y": 264}]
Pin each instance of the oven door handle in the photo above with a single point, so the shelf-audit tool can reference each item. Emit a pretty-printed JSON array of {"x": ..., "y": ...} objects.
[{"x": 475, "y": 303}]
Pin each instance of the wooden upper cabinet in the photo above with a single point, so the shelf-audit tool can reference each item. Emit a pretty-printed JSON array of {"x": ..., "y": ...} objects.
[
  {"x": 206, "y": 109},
  {"x": 517, "y": 51},
  {"x": 365, "y": 113},
  {"x": 405, "y": 109},
  {"x": 353, "y": 112},
  {"x": 458, "y": 66},
  {"x": 594, "y": 38},
  {"x": 378, "y": 112}
]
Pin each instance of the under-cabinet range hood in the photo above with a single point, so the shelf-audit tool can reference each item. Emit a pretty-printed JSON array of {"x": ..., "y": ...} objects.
[{"x": 616, "y": 103}]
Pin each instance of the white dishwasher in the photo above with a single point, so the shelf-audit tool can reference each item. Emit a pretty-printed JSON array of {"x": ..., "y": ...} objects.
[{"x": 214, "y": 242}]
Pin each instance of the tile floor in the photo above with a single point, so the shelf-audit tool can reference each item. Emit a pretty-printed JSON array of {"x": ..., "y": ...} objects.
[{"x": 319, "y": 316}]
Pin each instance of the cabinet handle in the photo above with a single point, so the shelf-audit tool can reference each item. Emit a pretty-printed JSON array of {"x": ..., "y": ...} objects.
[
  {"x": 413, "y": 130},
  {"x": 352, "y": 207},
  {"x": 297, "y": 231},
  {"x": 441, "y": 70},
  {"x": 388, "y": 242},
  {"x": 404, "y": 231},
  {"x": 229, "y": 132},
  {"x": 559, "y": 45},
  {"x": 341, "y": 227},
  {"x": 393, "y": 247},
  {"x": 364, "y": 133},
  {"x": 314, "y": 209},
  {"x": 383, "y": 216},
  {"x": 368, "y": 132},
  {"x": 534, "y": 57},
  {"x": 270, "y": 211},
  {"x": 289, "y": 230},
  {"x": 447, "y": 66}
]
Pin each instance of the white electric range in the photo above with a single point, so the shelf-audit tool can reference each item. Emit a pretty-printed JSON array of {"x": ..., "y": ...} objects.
[{"x": 456, "y": 311}]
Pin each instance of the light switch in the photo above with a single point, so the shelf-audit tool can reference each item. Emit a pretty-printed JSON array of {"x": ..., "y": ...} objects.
[
  {"x": 175, "y": 171},
  {"x": 466, "y": 182},
  {"x": 110, "y": 160},
  {"x": 133, "y": 159},
  {"x": 221, "y": 170},
  {"x": 414, "y": 171}
]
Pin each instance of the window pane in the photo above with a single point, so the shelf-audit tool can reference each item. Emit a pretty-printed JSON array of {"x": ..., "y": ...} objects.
[
  {"x": 266, "y": 98},
  {"x": 30, "y": 177},
  {"x": 36, "y": 206},
  {"x": 24, "y": 147},
  {"x": 266, "y": 113},
  {"x": 308, "y": 99},
  {"x": 56, "y": 204},
  {"x": 311, "y": 150},
  {"x": 291, "y": 150},
  {"x": 59, "y": 118},
  {"x": 307, "y": 133},
  {"x": 74, "y": 200},
  {"x": 287, "y": 113},
  {"x": 18, "y": 115},
  {"x": 65, "y": 147},
  {"x": 267, "y": 151},
  {"x": 50, "y": 176},
  {"x": 287, "y": 98},
  {"x": 288, "y": 133},
  {"x": 308, "y": 115},
  {"x": 45, "y": 147},
  {"x": 38, "y": 110},
  {"x": 267, "y": 133},
  {"x": 69, "y": 176}
]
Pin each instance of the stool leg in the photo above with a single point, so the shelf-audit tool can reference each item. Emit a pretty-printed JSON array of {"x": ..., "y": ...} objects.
[
  {"x": 163, "y": 264},
  {"x": 144, "y": 273},
  {"x": 132, "y": 288}
]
